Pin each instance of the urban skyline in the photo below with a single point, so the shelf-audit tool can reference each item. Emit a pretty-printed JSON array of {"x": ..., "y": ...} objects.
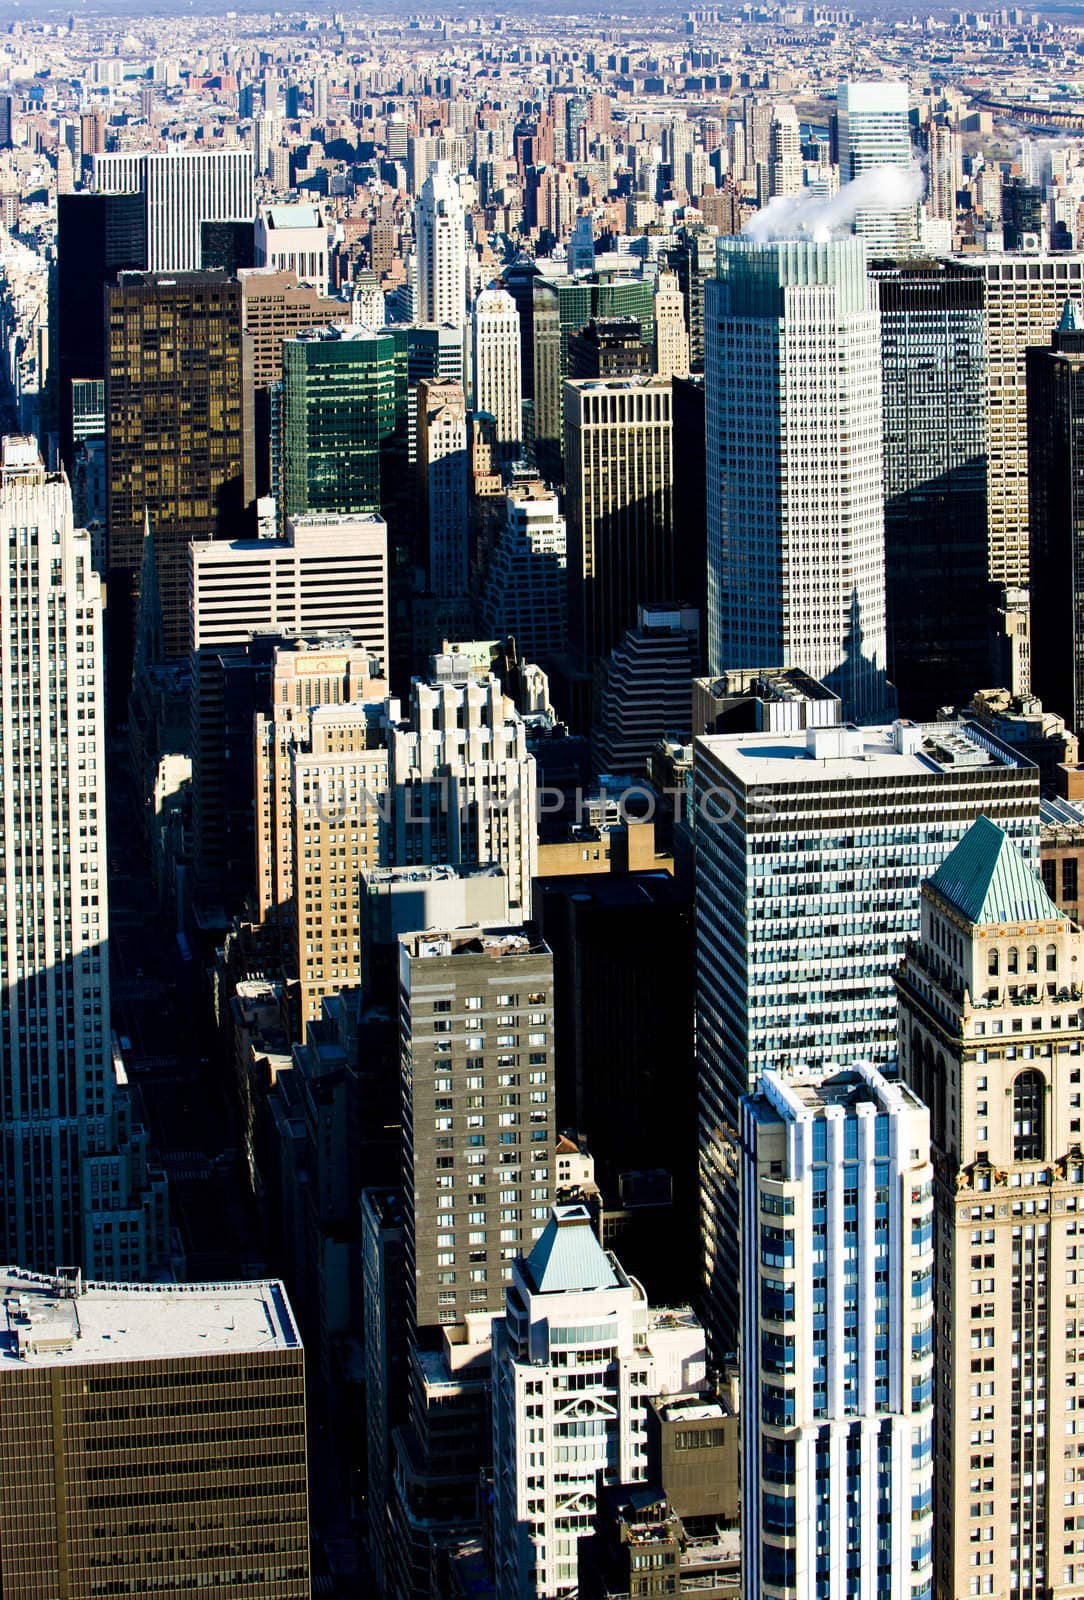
[{"x": 541, "y": 810}]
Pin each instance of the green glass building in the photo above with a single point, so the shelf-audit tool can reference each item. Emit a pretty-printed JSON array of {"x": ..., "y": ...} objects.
[
  {"x": 562, "y": 306},
  {"x": 344, "y": 421}
]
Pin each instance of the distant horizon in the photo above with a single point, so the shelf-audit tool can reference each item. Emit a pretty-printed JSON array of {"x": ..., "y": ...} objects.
[{"x": 50, "y": 10}]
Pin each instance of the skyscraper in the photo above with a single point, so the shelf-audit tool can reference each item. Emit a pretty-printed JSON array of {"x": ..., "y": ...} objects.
[
  {"x": 498, "y": 386},
  {"x": 794, "y": 451},
  {"x": 476, "y": 1010},
  {"x": 195, "y": 1389},
  {"x": 526, "y": 589},
  {"x": 933, "y": 386},
  {"x": 671, "y": 335},
  {"x": 182, "y": 189},
  {"x": 443, "y": 473},
  {"x": 442, "y": 249},
  {"x": 785, "y": 152},
  {"x": 74, "y": 1183},
  {"x": 811, "y": 848},
  {"x": 343, "y": 420},
  {"x": 990, "y": 1036},
  {"x": 1023, "y": 296},
  {"x": 619, "y": 505},
  {"x": 179, "y": 436},
  {"x": 577, "y": 1341},
  {"x": 838, "y": 1339},
  {"x": 874, "y": 132},
  {"x": 97, "y": 237},
  {"x": 1055, "y": 407}
]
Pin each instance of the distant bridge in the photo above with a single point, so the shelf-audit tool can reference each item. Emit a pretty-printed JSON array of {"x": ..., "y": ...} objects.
[{"x": 1041, "y": 118}]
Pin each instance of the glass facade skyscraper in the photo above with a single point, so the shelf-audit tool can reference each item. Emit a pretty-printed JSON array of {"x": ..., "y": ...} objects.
[
  {"x": 811, "y": 849},
  {"x": 794, "y": 466},
  {"x": 344, "y": 400}
]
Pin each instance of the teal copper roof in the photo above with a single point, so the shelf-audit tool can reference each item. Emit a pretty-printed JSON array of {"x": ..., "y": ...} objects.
[{"x": 988, "y": 881}]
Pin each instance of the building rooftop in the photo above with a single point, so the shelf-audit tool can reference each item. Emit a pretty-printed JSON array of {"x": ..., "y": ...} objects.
[
  {"x": 62, "y": 1321},
  {"x": 567, "y": 1257},
  {"x": 437, "y": 945},
  {"x": 821, "y": 1091},
  {"x": 987, "y": 880},
  {"x": 282, "y": 217},
  {"x": 903, "y": 749}
]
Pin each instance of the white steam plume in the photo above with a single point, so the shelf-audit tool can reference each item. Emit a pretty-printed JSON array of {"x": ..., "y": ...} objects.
[{"x": 811, "y": 217}]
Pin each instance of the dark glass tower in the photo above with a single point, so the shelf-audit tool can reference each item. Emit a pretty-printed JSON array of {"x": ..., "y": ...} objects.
[
  {"x": 1055, "y": 401},
  {"x": 98, "y": 235},
  {"x": 178, "y": 454},
  {"x": 933, "y": 349}
]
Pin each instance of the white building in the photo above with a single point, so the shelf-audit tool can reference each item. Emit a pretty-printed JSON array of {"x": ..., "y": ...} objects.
[
  {"x": 498, "y": 386},
  {"x": 671, "y": 334},
  {"x": 294, "y": 239},
  {"x": 73, "y": 1180},
  {"x": 811, "y": 847},
  {"x": 465, "y": 787},
  {"x": 442, "y": 249},
  {"x": 526, "y": 587},
  {"x": 794, "y": 452},
  {"x": 785, "y": 152},
  {"x": 575, "y": 1357},
  {"x": 329, "y": 572},
  {"x": 874, "y": 132},
  {"x": 444, "y": 472},
  {"x": 182, "y": 189},
  {"x": 838, "y": 1339}
]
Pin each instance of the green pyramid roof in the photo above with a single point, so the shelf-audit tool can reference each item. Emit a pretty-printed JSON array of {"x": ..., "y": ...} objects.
[{"x": 988, "y": 881}]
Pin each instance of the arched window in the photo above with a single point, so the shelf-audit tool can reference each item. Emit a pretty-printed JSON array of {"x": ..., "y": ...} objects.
[
  {"x": 1028, "y": 1094},
  {"x": 992, "y": 964},
  {"x": 1051, "y": 958},
  {"x": 1032, "y": 959},
  {"x": 1014, "y": 959}
]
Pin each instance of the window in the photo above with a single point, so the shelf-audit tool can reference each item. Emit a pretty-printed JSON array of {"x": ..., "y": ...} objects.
[
  {"x": 1032, "y": 959},
  {"x": 1051, "y": 958},
  {"x": 1028, "y": 1094},
  {"x": 1014, "y": 960},
  {"x": 1068, "y": 878},
  {"x": 992, "y": 963}
]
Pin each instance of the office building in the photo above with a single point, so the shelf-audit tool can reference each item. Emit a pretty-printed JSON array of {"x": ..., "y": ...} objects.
[
  {"x": 344, "y": 405},
  {"x": 933, "y": 386},
  {"x": 525, "y": 595},
  {"x": 794, "y": 453},
  {"x": 97, "y": 237},
  {"x": 671, "y": 335},
  {"x": 609, "y": 347},
  {"x": 874, "y": 132},
  {"x": 327, "y": 576},
  {"x": 811, "y": 847},
  {"x": 643, "y": 687},
  {"x": 179, "y": 438},
  {"x": 577, "y": 1340},
  {"x": 325, "y": 670},
  {"x": 478, "y": 1109},
  {"x": 1024, "y": 297},
  {"x": 274, "y": 307},
  {"x": 155, "y": 1431},
  {"x": 944, "y": 169},
  {"x": 293, "y": 239},
  {"x": 74, "y": 1181},
  {"x": 227, "y": 247},
  {"x": 181, "y": 189},
  {"x": 465, "y": 786},
  {"x": 560, "y": 307},
  {"x": 498, "y": 386},
  {"x": 443, "y": 472},
  {"x": 384, "y": 1313},
  {"x": 442, "y": 249},
  {"x": 837, "y": 1293},
  {"x": 692, "y": 259},
  {"x": 620, "y": 476},
  {"x": 321, "y": 784},
  {"x": 1055, "y": 414},
  {"x": 784, "y": 152},
  {"x": 990, "y": 1035}
]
